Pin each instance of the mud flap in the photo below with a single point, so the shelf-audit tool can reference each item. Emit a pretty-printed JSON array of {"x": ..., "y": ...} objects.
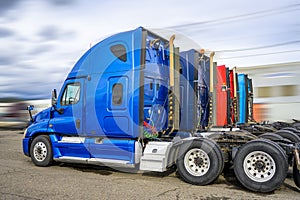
[{"x": 296, "y": 167}]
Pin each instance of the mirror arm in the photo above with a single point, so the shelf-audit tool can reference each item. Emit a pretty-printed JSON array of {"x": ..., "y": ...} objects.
[{"x": 30, "y": 108}]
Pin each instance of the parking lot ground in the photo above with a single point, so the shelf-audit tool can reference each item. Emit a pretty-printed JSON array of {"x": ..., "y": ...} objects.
[{"x": 21, "y": 179}]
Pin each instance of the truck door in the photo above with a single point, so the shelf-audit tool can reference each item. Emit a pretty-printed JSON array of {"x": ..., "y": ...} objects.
[{"x": 70, "y": 101}]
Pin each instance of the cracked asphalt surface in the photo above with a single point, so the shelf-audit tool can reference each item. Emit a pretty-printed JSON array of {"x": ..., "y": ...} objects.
[{"x": 21, "y": 179}]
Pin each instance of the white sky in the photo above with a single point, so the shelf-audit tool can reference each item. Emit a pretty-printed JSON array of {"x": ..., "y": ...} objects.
[{"x": 40, "y": 41}]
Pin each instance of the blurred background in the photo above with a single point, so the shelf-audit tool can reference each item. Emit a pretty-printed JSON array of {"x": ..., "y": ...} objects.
[{"x": 40, "y": 41}]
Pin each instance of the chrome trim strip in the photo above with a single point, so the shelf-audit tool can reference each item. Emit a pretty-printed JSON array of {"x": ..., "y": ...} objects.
[{"x": 95, "y": 161}]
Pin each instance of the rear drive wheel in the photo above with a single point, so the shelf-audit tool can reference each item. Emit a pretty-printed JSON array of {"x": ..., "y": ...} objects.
[
  {"x": 293, "y": 137},
  {"x": 297, "y": 126},
  {"x": 294, "y": 130},
  {"x": 290, "y": 136},
  {"x": 41, "y": 151},
  {"x": 271, "y": 136},
  {"x": 261, "y": 165},
  {"x": 200, "y": 162}
]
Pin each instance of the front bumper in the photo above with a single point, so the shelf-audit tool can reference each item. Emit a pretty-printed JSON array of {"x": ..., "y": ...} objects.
[{"x": 25, "y": 146}]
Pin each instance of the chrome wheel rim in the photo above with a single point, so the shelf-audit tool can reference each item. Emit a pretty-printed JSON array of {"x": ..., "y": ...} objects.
[
  {"x": 196, "y": 162},
  {"x": 40, "y": 151},
  {"x": 259, "y": 166}
]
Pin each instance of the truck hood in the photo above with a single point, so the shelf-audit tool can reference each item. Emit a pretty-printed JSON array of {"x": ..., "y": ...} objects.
[{"x": 42, "y": 115}]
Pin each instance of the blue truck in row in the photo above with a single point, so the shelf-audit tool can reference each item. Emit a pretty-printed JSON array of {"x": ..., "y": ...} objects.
[{"x": 135, "y": 101}]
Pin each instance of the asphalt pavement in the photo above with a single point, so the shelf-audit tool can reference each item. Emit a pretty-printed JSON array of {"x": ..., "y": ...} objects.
[{"x": 21, "y": 179}]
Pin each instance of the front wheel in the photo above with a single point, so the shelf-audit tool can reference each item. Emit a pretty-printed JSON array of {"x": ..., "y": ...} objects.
[
  {"x": 261, "y": 165},
  {"x": 200, "y": 162},
  {"x": 41, "y": 151}
]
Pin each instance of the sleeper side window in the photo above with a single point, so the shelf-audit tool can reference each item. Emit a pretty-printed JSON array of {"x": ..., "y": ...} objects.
[
  {"x": 119, "y": 50},
  {"x": 71, "y": 94},
  {"x": 117, "y": 94}
]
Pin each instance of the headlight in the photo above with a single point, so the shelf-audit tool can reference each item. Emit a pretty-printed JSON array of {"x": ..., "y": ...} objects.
[{"x": 25, "y": 132}]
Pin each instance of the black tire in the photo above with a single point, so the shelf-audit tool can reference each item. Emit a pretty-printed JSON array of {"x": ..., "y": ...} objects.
[
  {"x": 261, "y": 165},
  {"x": 41, "y": 151},
  {"x": 271, "y": 136},
  {"x": 297, "y": 126},
  {"x": 220, "y": 156},
  {"x": 293, "y": 137},
  {"x": 294, "y": 130},
  {"x": 200, "y": 161},
  {"x": 296, "y": 174}
]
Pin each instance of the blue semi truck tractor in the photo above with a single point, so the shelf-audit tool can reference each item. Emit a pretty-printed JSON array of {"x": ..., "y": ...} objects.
[{"x": 134, "y": 101}]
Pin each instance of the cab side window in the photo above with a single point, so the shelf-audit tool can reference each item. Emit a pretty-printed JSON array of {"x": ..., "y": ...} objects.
[{"x": 71, "y": 94}]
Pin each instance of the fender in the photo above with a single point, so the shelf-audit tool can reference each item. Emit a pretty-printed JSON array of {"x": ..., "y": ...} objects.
[
  {"x": 177, "y": 143},
  {"x": 32, "y": 131}
]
